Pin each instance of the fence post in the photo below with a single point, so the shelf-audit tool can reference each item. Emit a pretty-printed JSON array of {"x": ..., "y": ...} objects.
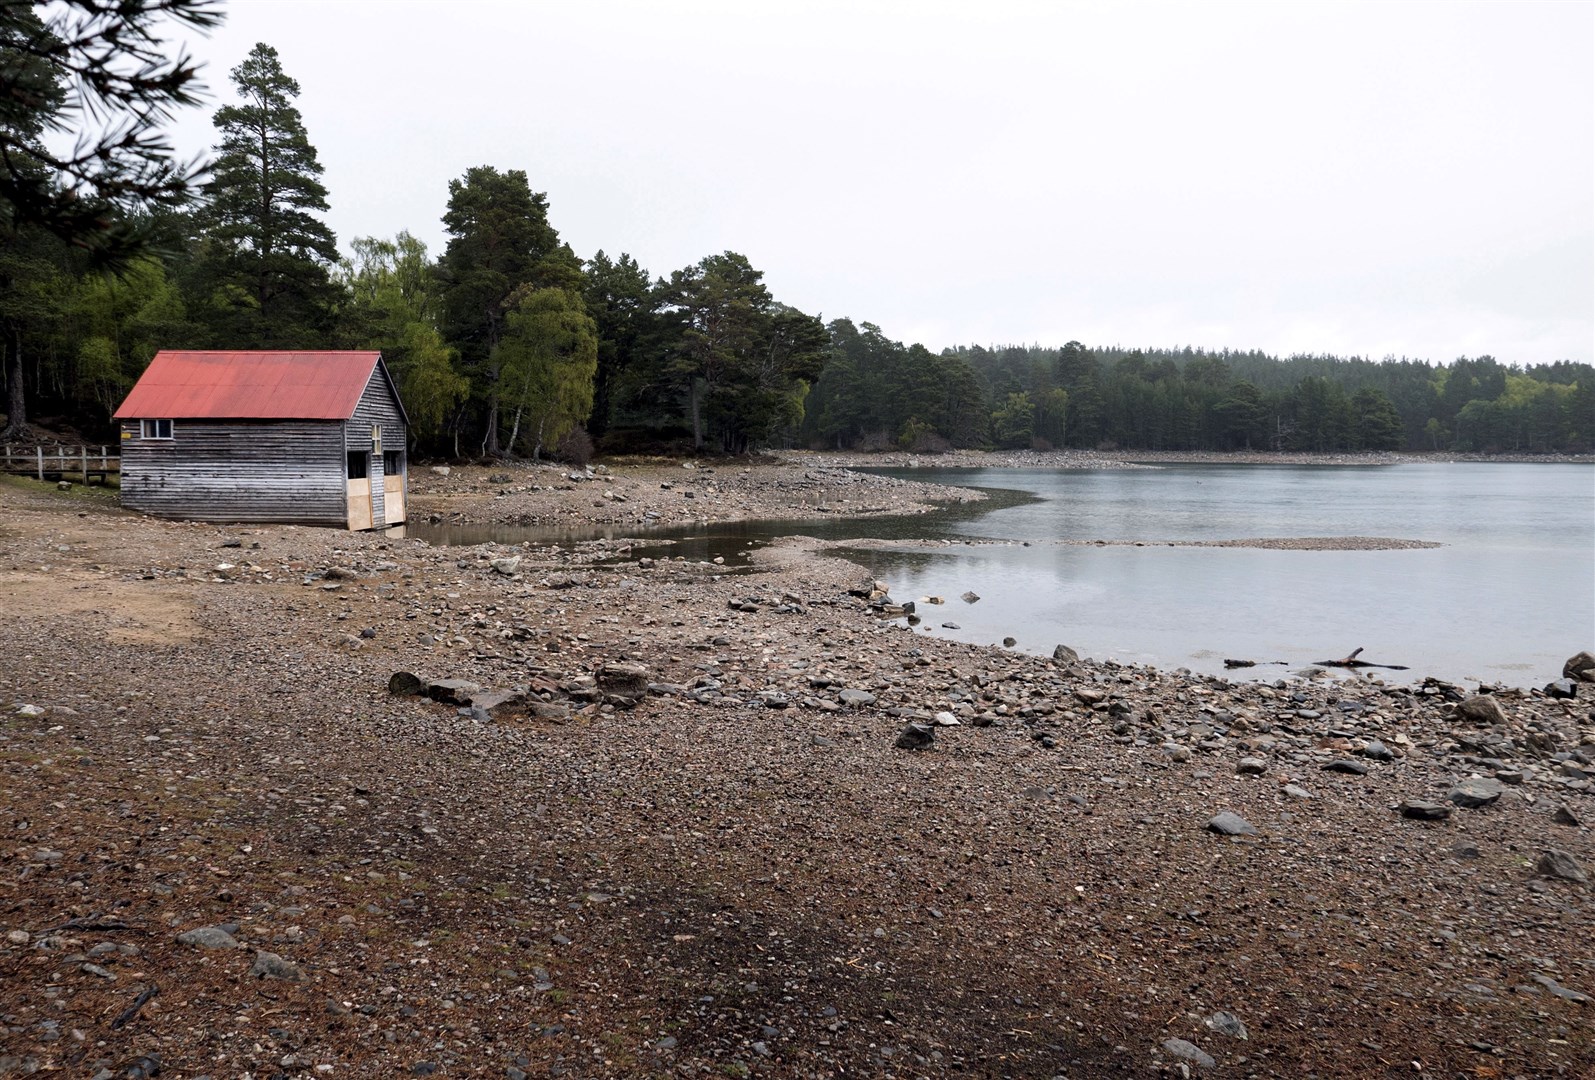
[{"x": 40, "y": 451}]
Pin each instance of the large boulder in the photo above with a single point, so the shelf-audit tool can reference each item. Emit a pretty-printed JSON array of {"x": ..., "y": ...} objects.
[
  {"x": 452, "y": 691},
  {"x": 1580, "y": 667},
  {"x": 624, "y": 680},
  {"x": 1559, "y": 864},
  {"x": 405, "y": 683},
  {"x": 1481, "y": 709},
  {"x": 500, "y": 704}
]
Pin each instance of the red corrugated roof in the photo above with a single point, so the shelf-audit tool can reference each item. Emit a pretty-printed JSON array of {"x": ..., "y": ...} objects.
[{"x": 250, "y": 385}]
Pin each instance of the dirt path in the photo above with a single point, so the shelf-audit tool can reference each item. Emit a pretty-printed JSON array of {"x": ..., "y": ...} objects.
[{"x": 730, "y": 871}]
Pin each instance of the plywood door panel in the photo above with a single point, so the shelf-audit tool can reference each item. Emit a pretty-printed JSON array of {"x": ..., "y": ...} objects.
[
  {"x": 360, "y": 503},
  {"x": 393, "y": 495}
]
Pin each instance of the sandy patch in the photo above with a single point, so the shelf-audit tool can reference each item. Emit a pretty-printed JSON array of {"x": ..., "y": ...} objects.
[{"x": 129, "y": 612}]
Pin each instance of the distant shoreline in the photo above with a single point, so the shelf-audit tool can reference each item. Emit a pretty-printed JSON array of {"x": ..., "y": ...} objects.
[{"x": 1132, "y": 459}]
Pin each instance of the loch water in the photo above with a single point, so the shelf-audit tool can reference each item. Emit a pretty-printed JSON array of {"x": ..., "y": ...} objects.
[{"x": 1507, "y": 596}]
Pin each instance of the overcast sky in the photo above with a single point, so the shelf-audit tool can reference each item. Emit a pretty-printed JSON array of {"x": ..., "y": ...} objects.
[{"x": 1409, "y": 179}]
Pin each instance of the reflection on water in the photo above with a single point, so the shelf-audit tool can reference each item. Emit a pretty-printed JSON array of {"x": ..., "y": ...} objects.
[{"x": 1509, "y": 596}]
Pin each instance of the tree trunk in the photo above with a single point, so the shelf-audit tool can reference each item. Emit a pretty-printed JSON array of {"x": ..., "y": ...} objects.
[
  {"x": 515, "y": 428},
  {"x": 490, "y": 437},
  {"x": 694, "y": 401},
  {"x": 16, "y": 403}
]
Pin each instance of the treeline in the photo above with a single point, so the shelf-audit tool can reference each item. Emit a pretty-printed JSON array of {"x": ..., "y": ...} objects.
[
  {"x": 509, "y": 343},
  {"x": 880, "y": 393}
]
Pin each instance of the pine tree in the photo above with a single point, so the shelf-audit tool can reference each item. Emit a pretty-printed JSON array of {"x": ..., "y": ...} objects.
[
  {"x": 99, "y": 70},
  {"x": 265, "y": 191},
  {"x": 499, "y": 239}
]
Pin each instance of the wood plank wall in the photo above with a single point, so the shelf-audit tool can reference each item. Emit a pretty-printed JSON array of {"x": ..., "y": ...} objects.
[{"x": 288, "y": 471}]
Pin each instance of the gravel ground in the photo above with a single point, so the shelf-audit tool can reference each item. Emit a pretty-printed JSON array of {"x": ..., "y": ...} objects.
[{"x": 686, "y": 842}]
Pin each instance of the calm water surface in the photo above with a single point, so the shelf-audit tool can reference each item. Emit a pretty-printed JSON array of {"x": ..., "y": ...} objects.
[{"x": 1509, "y": 596}]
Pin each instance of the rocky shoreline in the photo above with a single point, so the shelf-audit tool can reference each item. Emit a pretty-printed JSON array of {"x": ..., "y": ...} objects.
[
  {"x": 664, "y": 824},
  {"x": 652, "y": 493}
]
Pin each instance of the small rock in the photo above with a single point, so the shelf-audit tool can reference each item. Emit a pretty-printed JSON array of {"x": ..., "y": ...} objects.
[
  {"x": 1190, "y": 1052},
  {"x": 506, "y": 566},
  {"x": 1481, "y": 709},
  {"x": 1422, "y": 810},
  {"x": 1065, "y": 655},
  {"x": 915, "y": 737},
  {"x": 1476, "y": 794},
  {"x": 269, "y": 965},
  {"x": 1295, "y": 791},
  {"x": 1227, "y": 1023},
  {"x": 1009, "y": 642},
  {"x": 1559, "y": 990},
  {"x": 1561, "y": 688},
  {"x": 969, "y": 598},
  {"x": 946, "y": 719},
  {"x": 1348, "y": 766},
  {"x": 856, "y": 697},
  {"x": 1378, "y": 751},
  {"x": 1251, "y": 766},
  {"x": 1565, "y": 816},
  {"x": 208, "y": 937},
  {"x": 1231, "y": 824},
  {"x": 1559, "y": 864}
]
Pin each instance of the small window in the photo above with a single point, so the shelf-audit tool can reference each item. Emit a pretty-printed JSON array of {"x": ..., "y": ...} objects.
[
  {"x": 357, "y": 464},
  {"x": 390, "y": 463},
  {"x": 156, "y": 429}
]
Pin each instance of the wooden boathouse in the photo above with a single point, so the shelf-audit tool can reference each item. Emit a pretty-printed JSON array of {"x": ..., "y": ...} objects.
[{"x": 305, "y": 438}]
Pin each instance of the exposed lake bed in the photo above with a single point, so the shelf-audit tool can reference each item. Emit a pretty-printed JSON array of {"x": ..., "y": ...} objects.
[{"x": 680, "y": 819}]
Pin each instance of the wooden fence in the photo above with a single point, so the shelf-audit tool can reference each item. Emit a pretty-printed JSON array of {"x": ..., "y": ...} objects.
[{"x": 86, "y": 463}]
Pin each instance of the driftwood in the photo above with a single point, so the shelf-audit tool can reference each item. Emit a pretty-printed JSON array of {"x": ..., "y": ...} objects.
[
  {"x": 1252, "y": 663},
  {"x": 132, "y": 1010},
  {"x": 1350, "y": 661}
]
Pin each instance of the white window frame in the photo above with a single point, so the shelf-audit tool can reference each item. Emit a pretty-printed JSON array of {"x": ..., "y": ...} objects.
[{"x": 151, "y": 429}]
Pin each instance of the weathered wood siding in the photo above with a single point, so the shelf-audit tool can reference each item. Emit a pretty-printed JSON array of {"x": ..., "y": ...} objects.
[
  {"x": 379, "y": 407},
  {"x": 289, "y": 471}
]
